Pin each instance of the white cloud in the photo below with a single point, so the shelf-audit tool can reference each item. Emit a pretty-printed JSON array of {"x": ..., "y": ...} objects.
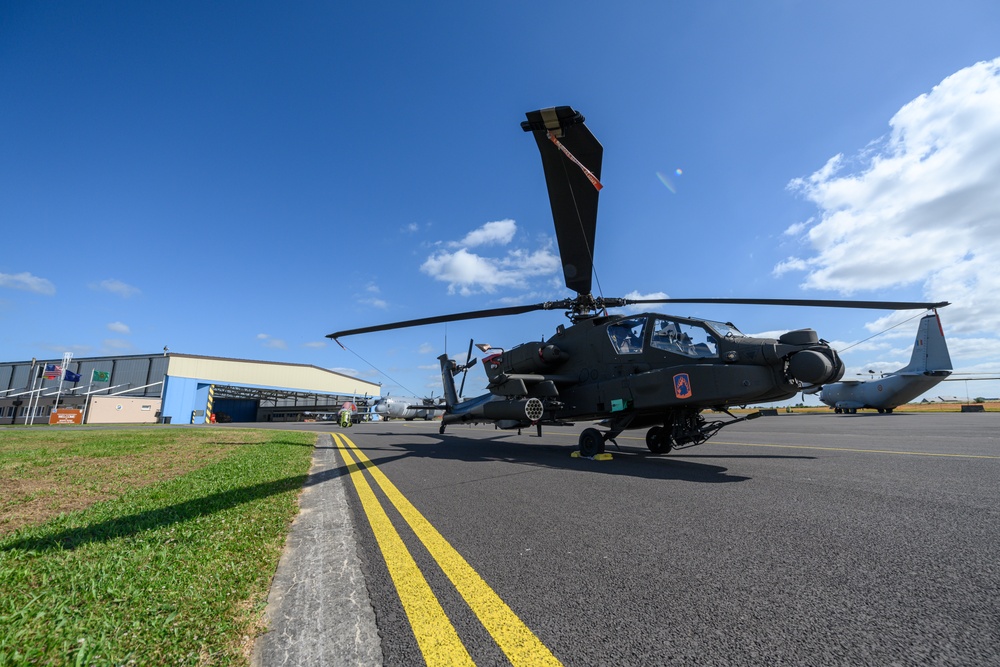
[
  {"x": 117, "y": 287},
  {"x": 923, "y": 209},
  {"x": 374, "y": 300},
  {"x": 500, "y": 232},
  {"x": 116, "y": 344},
  {"x": 643, "y": 307},
  {"x": 27, "y": 282},
  {"x": 275, "y": 343},
  {"x": 119, "y": 327},
  {"x": 468, "y": 273}
]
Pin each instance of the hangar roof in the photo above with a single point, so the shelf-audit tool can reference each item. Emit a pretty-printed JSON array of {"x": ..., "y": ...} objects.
[{"x": 301, "y": 377}]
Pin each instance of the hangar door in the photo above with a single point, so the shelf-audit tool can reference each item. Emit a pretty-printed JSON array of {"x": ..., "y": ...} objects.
[{"x": 235, "y": 409}]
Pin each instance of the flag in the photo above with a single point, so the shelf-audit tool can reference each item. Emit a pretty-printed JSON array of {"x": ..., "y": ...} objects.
[
  {"x": 101, "y": 376},
  {"x": 70, "y": 376},
  {"x": 52, "y": 371}
]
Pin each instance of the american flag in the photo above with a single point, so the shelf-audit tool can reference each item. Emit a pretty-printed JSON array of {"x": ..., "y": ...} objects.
[{"x": 52, "y": 371}]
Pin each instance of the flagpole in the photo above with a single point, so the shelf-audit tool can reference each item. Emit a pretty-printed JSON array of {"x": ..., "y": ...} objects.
[
  {"x": 33, "y": 396},
  {"x": 86, "y": 408},
  {"x": 67, "y": 356},
  {"x": 31, "y": 382}
]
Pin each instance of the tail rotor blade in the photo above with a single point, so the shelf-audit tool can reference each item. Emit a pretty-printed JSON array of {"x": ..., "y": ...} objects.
[{"x": 465, "y": 371}]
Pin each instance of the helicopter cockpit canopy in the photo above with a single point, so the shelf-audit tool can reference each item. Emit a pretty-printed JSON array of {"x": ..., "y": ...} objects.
[
  {"x": 725, "y": 329},
  {"x": 627, "y": 335},
  {"x": 692, "y": 338},
  {"x": 677, "y": 336}
]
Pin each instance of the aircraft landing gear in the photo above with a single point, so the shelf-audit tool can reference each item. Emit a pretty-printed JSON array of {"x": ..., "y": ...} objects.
[
  {"x": 658, "y": 440},
  {"x": 591, "y": 442}
]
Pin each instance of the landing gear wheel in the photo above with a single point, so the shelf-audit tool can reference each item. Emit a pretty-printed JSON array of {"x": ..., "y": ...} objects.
[
  {"x": 591, "y": 442},
  {"x": 658, "y": 440}
]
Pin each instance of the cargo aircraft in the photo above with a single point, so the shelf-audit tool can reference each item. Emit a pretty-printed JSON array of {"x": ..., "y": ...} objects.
[{"x": 929, "y": 364}]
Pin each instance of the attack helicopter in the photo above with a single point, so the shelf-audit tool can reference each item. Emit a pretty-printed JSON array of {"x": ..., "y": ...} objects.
[{"x": 649, "y": 371}]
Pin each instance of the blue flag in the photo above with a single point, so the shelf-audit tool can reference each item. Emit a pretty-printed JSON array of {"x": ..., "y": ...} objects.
[{"x": 71, "y": 376}]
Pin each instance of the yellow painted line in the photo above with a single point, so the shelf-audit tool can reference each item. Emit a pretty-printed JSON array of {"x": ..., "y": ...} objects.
[
  {"x": 857, "y": 450},
  {"x": 436, "y": 636},
  {"x": 513, "y": 637}
]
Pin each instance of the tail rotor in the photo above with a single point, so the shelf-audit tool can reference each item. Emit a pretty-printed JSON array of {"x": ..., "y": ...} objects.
[{"x": 464, "y": 369}]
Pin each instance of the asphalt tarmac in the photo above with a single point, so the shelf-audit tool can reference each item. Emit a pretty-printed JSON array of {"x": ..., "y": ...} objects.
[{"x": 797, "y": 539}]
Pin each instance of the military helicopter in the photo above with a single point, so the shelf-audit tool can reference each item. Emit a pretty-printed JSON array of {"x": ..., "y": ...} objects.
[{"x": 649, "y": 371}]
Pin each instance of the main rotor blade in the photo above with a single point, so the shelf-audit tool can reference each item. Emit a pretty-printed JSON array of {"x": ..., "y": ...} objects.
[
  {"x": 821, "y": 303},
  {"x": 572, "y": 193},
  {"x": 454, "y": 317}
]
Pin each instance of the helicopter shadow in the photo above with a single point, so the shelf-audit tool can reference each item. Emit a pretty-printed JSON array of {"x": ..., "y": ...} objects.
[{"x": 505, "y": 448}]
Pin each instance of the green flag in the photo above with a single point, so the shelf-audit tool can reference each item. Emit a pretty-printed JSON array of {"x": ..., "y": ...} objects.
[{"x": 101, "y": 376}]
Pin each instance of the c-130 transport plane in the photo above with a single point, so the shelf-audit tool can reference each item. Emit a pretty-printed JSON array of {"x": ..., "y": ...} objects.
[{"x": 929, "y": 364}]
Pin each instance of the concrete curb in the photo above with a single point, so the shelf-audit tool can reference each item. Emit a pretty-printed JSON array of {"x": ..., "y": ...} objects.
[{"x": 318, "y": 609}]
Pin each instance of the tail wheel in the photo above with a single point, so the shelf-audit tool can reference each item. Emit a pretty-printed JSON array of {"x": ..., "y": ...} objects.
[
  {"x": 591, "y": 442},
  {"x": 658, "y": 440}
]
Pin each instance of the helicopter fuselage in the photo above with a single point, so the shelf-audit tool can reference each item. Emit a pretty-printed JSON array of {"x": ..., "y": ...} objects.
[{"x": 638, "y": 369}]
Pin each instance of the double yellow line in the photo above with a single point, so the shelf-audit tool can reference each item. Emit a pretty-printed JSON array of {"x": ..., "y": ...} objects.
[{"x": 436, "y": 636}]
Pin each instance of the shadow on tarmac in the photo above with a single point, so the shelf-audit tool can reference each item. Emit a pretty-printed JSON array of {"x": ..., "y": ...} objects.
[{"x": 626, "y": 461}]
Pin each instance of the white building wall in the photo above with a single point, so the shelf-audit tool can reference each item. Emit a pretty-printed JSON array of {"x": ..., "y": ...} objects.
[{"x": 121, "y": 410}]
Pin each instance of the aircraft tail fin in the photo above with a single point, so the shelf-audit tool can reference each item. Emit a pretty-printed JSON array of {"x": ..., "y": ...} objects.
[
  {"x": 448, "y": 380},
  {"x": 930, "y": 352}
]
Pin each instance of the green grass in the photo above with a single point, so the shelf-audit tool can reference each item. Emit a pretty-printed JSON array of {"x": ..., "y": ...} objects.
[{"x": 173, "y": 571}]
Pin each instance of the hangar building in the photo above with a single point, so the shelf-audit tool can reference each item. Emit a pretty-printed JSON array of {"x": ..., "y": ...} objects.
[{"x": 174, "y": 388}]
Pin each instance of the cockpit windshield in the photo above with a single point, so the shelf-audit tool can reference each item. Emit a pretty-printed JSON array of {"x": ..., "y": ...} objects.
[
  {"x": 725, "y": 329},
  {"x": 626, "y": 335},
  {"x": 686, "y": 338}
]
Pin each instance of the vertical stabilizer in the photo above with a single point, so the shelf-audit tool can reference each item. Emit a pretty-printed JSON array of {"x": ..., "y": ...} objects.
[
  {"x": 448, "y": 380},
  {"x": 930, "y": 352}
]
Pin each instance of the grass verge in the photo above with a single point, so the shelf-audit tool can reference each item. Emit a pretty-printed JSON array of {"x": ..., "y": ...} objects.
[{"x": 174, "y": 568}]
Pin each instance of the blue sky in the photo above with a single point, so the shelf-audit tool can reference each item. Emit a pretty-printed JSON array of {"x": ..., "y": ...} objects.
[{"x": 241, "y": 179}]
